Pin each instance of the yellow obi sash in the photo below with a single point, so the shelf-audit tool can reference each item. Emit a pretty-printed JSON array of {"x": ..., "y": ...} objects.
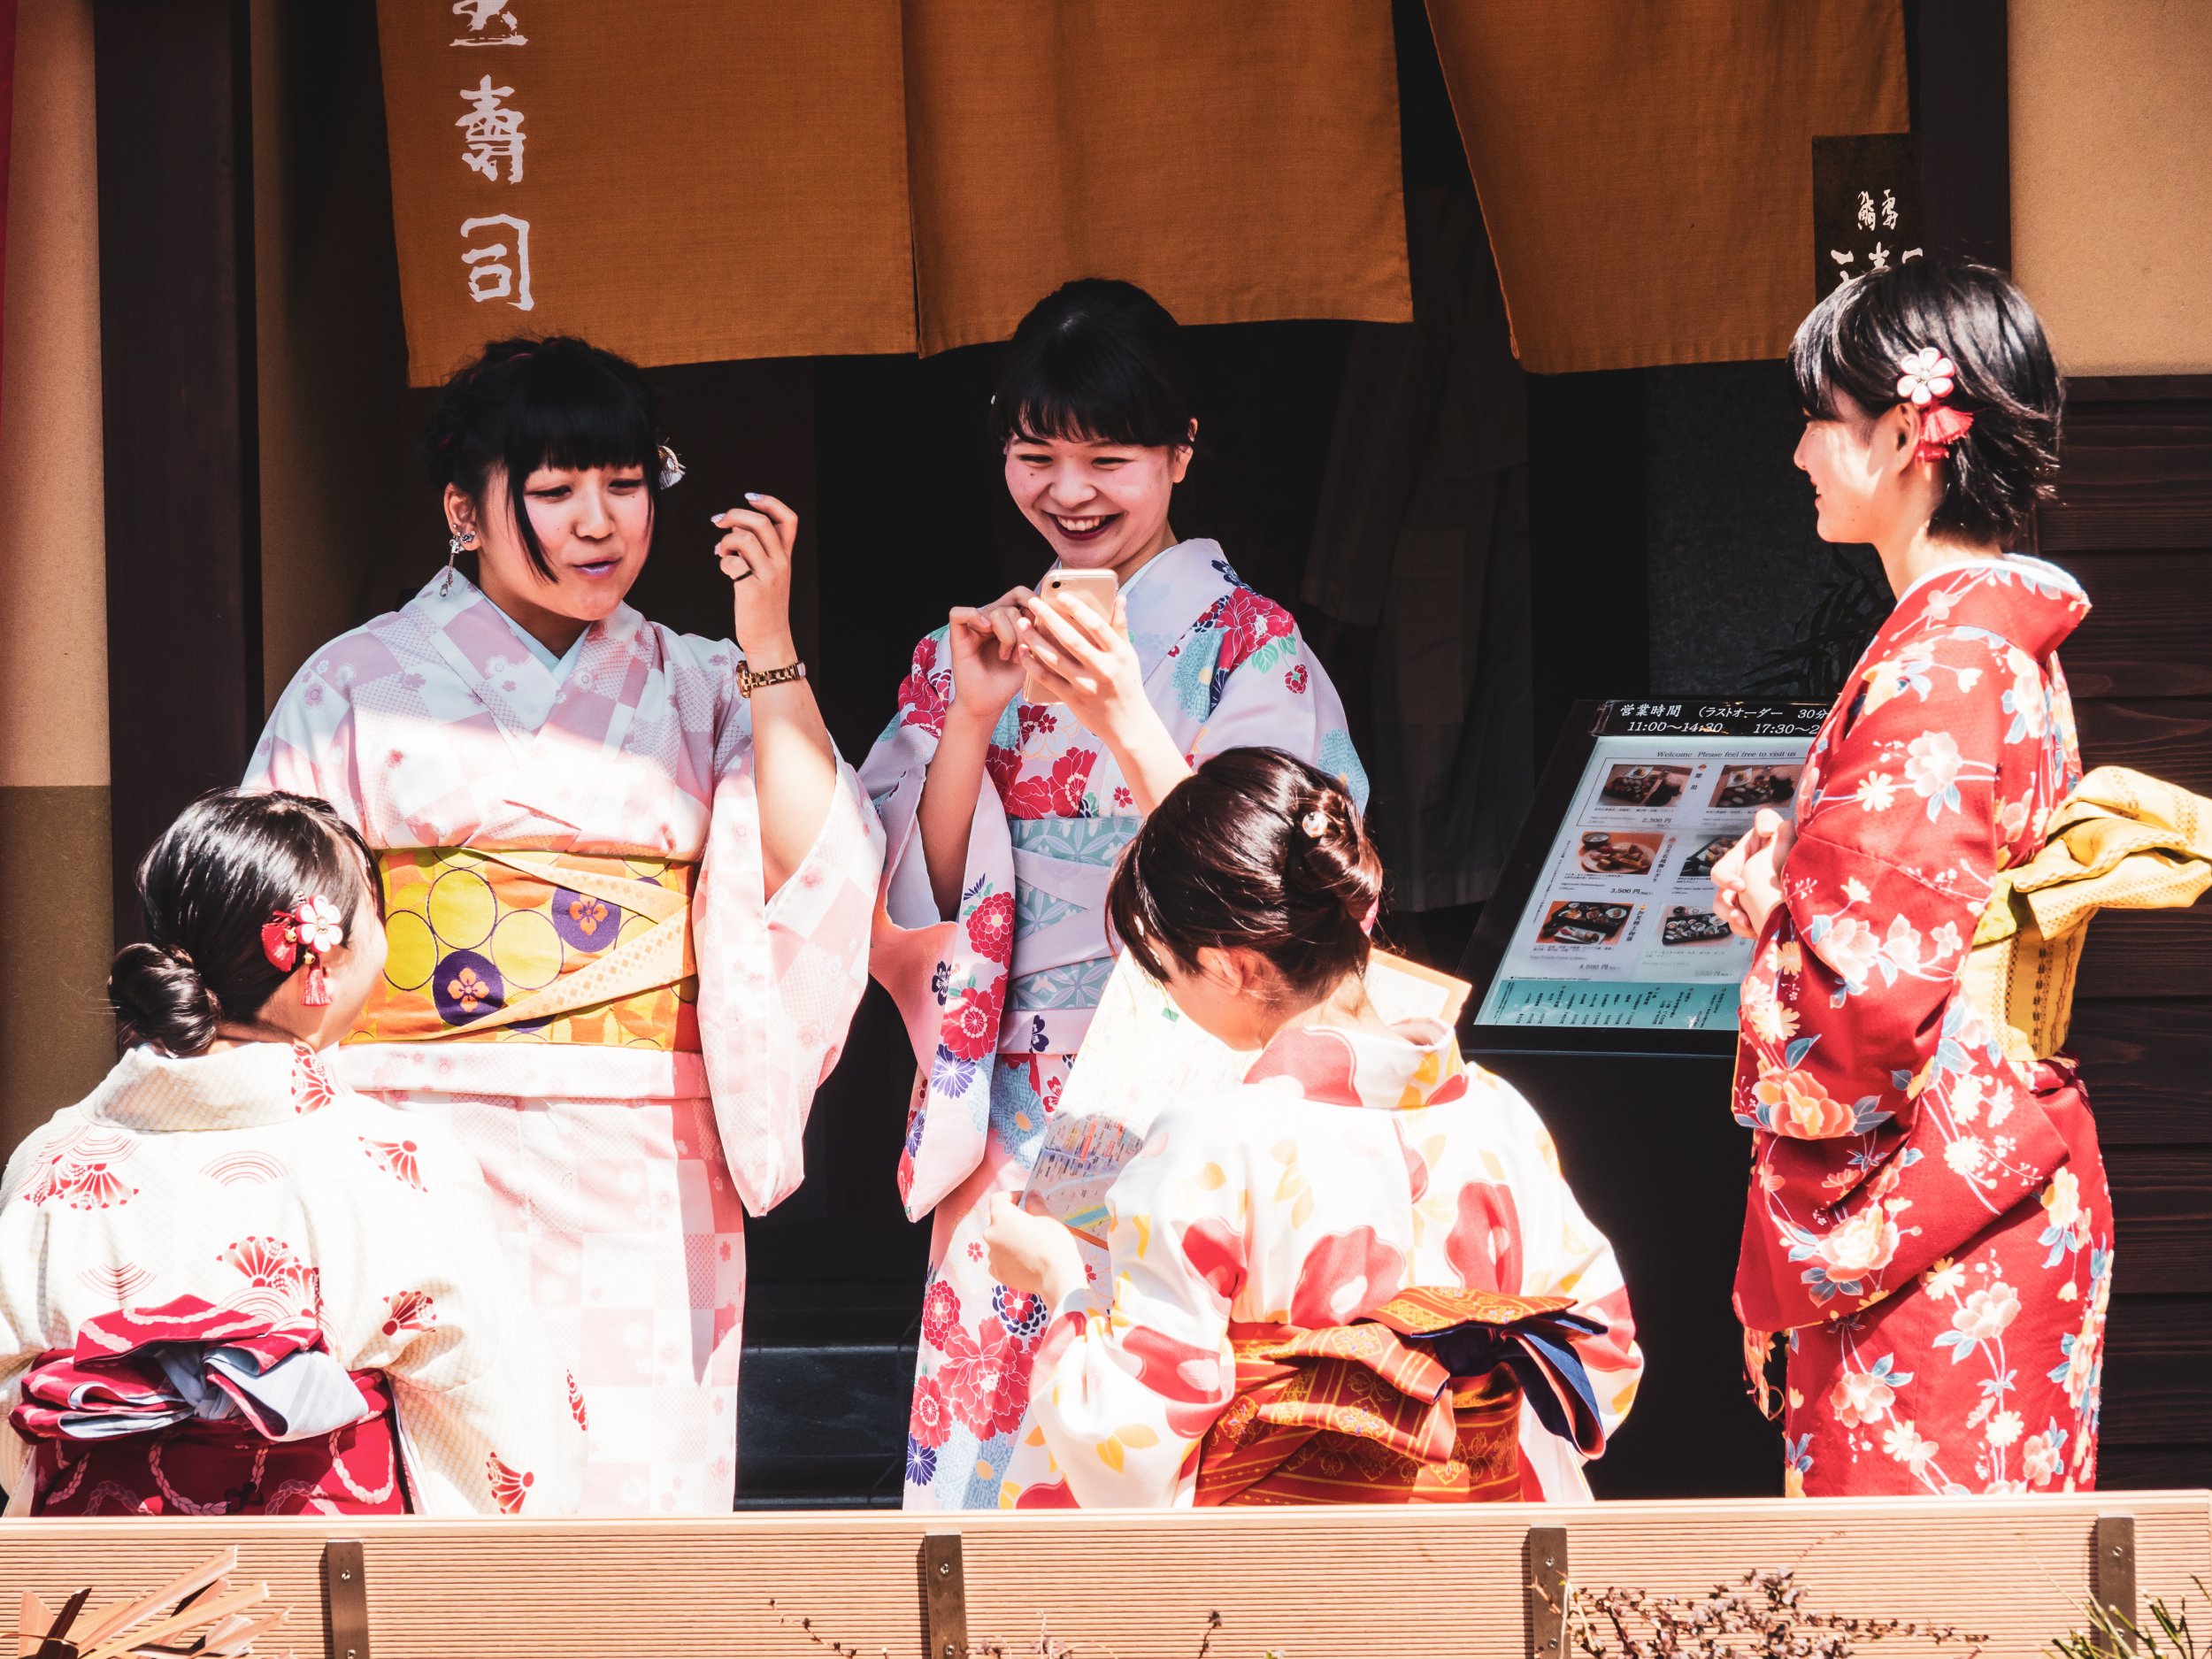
[{"x": 497, "y": 946}]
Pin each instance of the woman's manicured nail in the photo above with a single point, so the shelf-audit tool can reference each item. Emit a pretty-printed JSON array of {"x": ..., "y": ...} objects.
[{"x": 751, "y": 495}]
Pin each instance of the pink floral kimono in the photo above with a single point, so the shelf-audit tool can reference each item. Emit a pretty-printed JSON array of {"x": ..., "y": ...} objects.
[
  {"x": 586, "y": 983},
  {"x": 1928, "y": 1220},
  {"x": 997, "y": 1000},
  {"x": 222, "y": 1282},
  {"x": 1350, "y": 1166}
]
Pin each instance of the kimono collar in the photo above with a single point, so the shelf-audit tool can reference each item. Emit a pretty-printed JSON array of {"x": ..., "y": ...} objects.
[
  {"x": 1170, "y": 593},
  {"x": 490, "y": 639},
  {"x": 255, "y": 1084},
  {"x": 2021, "y": 600},
  {"x": 1412, "y": 1066}
]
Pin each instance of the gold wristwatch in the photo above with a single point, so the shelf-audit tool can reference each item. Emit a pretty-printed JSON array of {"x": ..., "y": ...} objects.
[{"x": 747, "y": 681}]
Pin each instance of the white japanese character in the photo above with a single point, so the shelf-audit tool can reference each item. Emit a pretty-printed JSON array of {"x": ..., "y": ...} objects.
[
  {"x": 479, "y": 15},
  {"x": 1866, "y": 211},
  {"x": 492, "y": 131},
  {"x": 490, "y": 276}
]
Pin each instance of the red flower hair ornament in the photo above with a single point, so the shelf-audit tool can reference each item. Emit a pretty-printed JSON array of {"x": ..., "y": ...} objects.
[
  {"x": 304, "y": 936},
  {"x": 1925, "y": 382}
]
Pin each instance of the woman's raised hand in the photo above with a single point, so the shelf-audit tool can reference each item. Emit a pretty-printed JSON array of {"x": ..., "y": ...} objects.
[
  {"x": 755, "y": 552},
  {"x": 987, "y": 667},
  {"x": 1747, "y": 880}
]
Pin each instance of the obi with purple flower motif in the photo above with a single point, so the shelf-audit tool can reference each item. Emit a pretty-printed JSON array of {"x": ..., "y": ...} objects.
[{"x": 506, "y": 946}]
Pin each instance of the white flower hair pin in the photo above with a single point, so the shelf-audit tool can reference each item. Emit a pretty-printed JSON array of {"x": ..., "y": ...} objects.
[
  {"x": 671, "y": 468},
  {"x": 1927, "y": 380}
]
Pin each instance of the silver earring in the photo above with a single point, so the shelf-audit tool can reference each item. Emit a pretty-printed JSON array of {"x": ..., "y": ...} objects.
[{"x": 455, "y": 542}]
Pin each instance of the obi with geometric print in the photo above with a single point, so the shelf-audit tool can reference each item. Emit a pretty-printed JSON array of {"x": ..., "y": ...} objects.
[{"x": 489, "y": 944}]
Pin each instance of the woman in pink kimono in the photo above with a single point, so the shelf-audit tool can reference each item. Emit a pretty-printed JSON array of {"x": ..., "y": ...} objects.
[
  {"x": 1929, "y": 1220},
  {"x": 1030, "y": 741},
  {"x": 1357, "y": 1277},
  {"x": 627, "y": 880},
  {"x": 228, "y": 1286}
]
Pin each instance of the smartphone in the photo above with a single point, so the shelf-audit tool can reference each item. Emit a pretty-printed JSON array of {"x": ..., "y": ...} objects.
[{"x": 1094, "y": 589}]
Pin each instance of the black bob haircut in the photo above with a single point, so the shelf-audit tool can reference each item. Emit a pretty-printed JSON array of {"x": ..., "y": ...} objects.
[
  {"x": 229, "y": 863},
  {"x": 1855, "y": 340},
  {"x": 1095, "y": 361},
  {"x": 527, "y": 404}
]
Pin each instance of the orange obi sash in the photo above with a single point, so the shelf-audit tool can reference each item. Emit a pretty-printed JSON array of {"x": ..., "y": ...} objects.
[
  {"x": 1418, "y": 1403},
  {"x": 493, "y": 945}
]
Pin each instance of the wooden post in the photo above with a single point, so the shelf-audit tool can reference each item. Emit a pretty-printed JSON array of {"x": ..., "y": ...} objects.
[
  {"x": 174, "y": 123},
  {"x": 1960, "y": 114},
  {"x": 2112, "y": 1579},
  {"x": 1546, "y": 1570},
  {"x": 345, "y": 1601},
  {"x": 944, "y": 1597}
]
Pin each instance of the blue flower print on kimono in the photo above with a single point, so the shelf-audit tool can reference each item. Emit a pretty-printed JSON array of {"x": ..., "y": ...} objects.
[
  {"x": 1928, "y": 1216},
  {"x": 997, "y": 998}
]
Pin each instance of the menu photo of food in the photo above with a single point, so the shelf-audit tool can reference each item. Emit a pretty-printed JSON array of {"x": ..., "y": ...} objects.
[
  {"x": 1684, "y": 926},
  {"x": 1741, "y": 787},
  {"x": 1583, "y": 922},
  {"x": 1618, "y": 852},
  {"x": 1699, "y": 865},
  {"x": 1655, "y": 784}
]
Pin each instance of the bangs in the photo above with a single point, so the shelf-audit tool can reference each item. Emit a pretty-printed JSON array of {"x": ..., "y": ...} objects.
[
  {"x": 1817, "y": 362},
  {"x": 1082, "y": 389},
  {"x": 572, "y": 410}
]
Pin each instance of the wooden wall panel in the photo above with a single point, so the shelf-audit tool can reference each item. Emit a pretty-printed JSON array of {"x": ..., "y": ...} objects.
[{"x": 2134, "y": 523}]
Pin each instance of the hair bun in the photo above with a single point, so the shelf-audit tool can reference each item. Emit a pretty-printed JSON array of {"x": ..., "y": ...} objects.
[
  {"x": 1335, "y": 864},
  {"x": 159, "y": 997}
]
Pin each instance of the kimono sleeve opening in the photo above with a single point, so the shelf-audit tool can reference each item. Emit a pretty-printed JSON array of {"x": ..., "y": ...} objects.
[{"x": 1129, "y": 1376}]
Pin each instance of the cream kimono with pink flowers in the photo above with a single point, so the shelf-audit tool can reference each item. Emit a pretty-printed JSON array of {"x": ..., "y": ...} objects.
[
  {"x": 246, "y": 1181},
  {"x": 621, "y": 1167},
  {"x": 1350, "y": 1165}
]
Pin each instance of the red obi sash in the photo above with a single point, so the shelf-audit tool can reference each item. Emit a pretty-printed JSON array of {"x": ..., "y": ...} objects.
[
  {"x": 193, "y": 1410},
  {"x": 1418, "y": 1403}
]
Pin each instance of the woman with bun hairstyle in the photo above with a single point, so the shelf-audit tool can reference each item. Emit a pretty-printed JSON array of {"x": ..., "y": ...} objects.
[
  {"x": 627, "y": 880},
  {"x": 1030, "y": 739},
  {"x": 1360, "y": 1174},
  {"x": 1928, "y": 1218},
  {"x": 229, "y": 1286}
]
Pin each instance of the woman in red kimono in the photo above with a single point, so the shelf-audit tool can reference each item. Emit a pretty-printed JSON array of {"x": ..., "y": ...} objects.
[{"x": 1928, "y": 1218}]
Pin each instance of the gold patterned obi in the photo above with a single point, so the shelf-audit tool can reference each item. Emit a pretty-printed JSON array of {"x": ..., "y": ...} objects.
[{"x": 491, "y": 945}]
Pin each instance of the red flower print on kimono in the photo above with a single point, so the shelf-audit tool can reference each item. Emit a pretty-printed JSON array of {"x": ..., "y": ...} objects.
[
  {"x": 986, "y": 1378},
  {"x": 924, "y": 692},
  {"x": 311, "y": 1088},
  {"x": 409, "y": 1310},
  {"x": 932, "y": 1419},
  {"x": 399, "y": 1157},
  {"x": 940, "y": 1312},
  {"x": 1485, "y": 1244},
  {"x": 1346, "y": 1274},
  {"x": 81, "y": 1172},
  {"x": 1247, "y": 622},
  {"x": 576, "y": 1402},
  {"x": 510, "y": 1487},
  {"x": 970, "y": 1027},
  {"x": 991, "y": 928},
  {"x": 1059, "y": 794},
  {"x": 1215, "y": 1252},
  {"x": 1911, "y": 1157}
]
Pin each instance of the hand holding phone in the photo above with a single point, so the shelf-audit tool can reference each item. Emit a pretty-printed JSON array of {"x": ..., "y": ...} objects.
[{"x": 1093, "y": 590}]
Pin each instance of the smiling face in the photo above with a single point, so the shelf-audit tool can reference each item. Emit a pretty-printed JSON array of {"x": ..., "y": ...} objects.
[
  {"x": 1102, "y": 506},
  {"x": 595, "y": 527},
  {"x": 1861, "y": 465}
]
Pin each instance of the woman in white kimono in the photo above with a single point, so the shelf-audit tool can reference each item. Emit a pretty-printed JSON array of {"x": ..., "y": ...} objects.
[
  {"x": 223, "y": 1281},
  {"x": 627, "y": 880},
  {"x": 1358, "y": 1276},
  {"x": 1005, "y": 807}
]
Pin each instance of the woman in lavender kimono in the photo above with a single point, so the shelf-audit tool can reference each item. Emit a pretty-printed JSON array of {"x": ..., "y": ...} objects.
[
  {"x": 1006, "y": 807},
  {"x": 628, "y": 882}
]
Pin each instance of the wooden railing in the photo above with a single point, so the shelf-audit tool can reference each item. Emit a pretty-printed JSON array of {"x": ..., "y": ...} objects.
[{"x": 1319, "y": 1584}]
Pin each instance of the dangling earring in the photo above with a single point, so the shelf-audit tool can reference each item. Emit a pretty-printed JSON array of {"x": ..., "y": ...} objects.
[{"x": 455, "y": 542}]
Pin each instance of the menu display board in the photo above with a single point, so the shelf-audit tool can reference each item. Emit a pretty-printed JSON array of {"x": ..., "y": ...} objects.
[{"x": 1618, "y": 929}]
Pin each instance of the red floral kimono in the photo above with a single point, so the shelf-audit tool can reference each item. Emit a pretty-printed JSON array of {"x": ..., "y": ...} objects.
[{"x": 1928, "y": 1221}]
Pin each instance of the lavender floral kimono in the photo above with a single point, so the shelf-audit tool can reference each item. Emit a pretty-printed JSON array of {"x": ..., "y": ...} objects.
[{"x": 997, "y": 1000}]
